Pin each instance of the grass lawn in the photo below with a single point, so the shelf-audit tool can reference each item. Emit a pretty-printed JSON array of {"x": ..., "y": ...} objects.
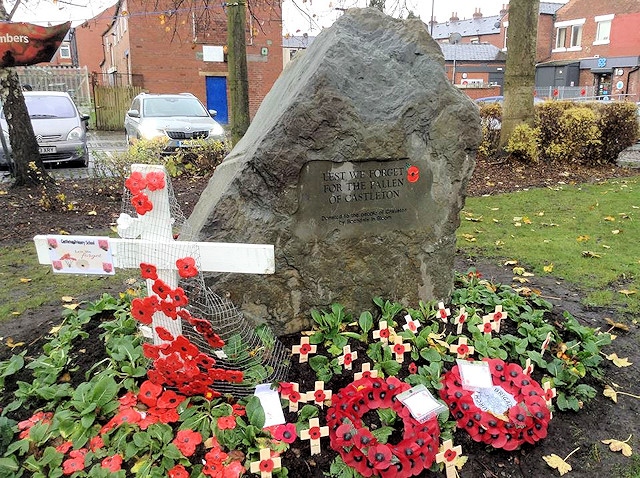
[{"x": 586, "y": 234}]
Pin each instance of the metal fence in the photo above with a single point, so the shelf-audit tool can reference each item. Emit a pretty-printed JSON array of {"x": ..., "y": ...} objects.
[
  {"x": 579, "y": 93},
  {"x": 73, "y": 80}
]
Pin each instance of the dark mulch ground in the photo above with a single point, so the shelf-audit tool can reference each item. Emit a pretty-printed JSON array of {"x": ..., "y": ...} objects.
[{"x": 95, "y": 209}]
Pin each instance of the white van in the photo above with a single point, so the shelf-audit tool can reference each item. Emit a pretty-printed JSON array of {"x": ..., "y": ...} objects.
[{"x": 60, "y": 129}]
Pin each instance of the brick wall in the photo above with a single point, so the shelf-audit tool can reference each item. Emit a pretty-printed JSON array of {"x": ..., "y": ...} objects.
[
  {"x": 163, "y": 50},
  {"x": 89, "y": 40}
]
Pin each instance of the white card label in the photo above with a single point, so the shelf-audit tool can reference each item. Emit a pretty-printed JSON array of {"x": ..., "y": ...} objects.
[
  {"x": 474, "y": 375},
  {"x": 421, "y": 404},
  {"x": 495, "y": 400},
  {"x": 270, "y": 401}
]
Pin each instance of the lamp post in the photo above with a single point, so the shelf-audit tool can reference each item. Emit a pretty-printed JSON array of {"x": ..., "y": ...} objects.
[
  {"x": 454, "y": 39},
  {"x": 432, "y": 20}
]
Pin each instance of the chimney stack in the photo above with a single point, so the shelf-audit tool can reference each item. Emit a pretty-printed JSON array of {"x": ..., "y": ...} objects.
[
  {"x": 433, "y": 21},
  {"x": 477, "y": 14},
  {"x": 454, "y": 17},
  {"x": 505, "y": 9}
]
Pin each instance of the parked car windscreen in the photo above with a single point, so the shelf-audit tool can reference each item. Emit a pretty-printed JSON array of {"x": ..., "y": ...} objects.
[
  {"x": 161, "y": 107},
  {"x": 50, "y": 107}
]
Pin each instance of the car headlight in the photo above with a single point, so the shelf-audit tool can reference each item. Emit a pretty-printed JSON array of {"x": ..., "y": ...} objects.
[
  {"x": 148, "y": 132},
  {"x": 216, "y": 131},
  {"x": 76, "y": 134}
]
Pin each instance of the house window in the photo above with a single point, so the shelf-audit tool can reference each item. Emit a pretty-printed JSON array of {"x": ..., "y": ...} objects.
[
  {"x": 65, "y": 51},
  {"x": 603, "y": 29},
  {"x": 576, "y": 36},
  {"x": 561, "y": 37}
]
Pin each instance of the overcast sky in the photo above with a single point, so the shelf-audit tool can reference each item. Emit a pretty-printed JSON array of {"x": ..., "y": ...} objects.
[{"x": 299, "y": 16}]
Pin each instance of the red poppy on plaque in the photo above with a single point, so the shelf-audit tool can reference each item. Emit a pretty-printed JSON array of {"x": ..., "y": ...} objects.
[{"x": 413, "y": 174}]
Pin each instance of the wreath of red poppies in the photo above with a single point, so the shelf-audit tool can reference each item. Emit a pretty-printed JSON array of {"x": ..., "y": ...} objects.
[
  {"x": 525, "y": 422},
  {"x": 359, "y": 448}
]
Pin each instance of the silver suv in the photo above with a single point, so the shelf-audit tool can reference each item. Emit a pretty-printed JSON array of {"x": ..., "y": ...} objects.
[
  {"x": 59, "y": 127},
  {"x": 179, "y": 118}
]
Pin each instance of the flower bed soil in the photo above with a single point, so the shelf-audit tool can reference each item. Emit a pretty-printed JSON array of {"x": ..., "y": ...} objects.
[{"x": 599, "y": 420}]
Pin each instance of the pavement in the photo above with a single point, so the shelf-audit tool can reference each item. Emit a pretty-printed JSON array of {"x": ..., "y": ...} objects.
[{"x": 98, "y": 142}]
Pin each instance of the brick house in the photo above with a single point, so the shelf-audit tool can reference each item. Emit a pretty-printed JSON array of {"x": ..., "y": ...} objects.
[
  {"x": 596, "y": 47},
  {"x": 184, "y": 51},
  {"x": 482, "y": 46}
]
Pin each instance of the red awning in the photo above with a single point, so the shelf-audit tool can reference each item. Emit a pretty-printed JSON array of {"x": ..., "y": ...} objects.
[{"x": 27, "y": 44}]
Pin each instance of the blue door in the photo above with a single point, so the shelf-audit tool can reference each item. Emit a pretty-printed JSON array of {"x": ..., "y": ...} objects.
[{"x": 217, "y": 97}]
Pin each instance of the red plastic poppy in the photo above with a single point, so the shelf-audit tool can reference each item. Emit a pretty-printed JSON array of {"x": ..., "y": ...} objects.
[
  {"x": 413, "y": 174},
  {"x": 319, "y": 396},
  {"x": 294, "y": 397},
  {"x": 179, "y": 297},
  {"x": 413, "y": 368},
  {"x": 398, "y": 349},
  {"x": 348, "y": 359},
  {"x": 487, "y": 327},
  {"x": 235, "y": 376},
  {"x": 380, "y": 455},
  {"x": 161, "y": 288},
  {"x": 149, "y": 393},
  {"x": 155, "y": 180},
  {"x": 135, "y": 183},
  {"x": 266, "y": 466},
  {"x": 450, "y": 455},
  {"x": 463, "y": 349},
  {"x": 141, "y": 203},
  {"x": 168, "y": 308},
  {"x": 164, "y": 334},
  {"x": 286, "y": 433},
  {"x": 187, "y": 267},
  {"x": 314, "y": 433},
  {"x": 384, "y": 333},
  {"x": 148, "y": 271},
  {"x": 305, "y": 349},
  {"x": 141, "y": 311}
]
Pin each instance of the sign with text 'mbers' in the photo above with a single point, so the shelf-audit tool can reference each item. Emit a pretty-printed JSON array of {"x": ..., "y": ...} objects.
[{"x": 24, "y": 44}]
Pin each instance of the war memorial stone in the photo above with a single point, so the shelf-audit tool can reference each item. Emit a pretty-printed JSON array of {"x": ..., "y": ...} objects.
[{"x": 354, "y": 168}]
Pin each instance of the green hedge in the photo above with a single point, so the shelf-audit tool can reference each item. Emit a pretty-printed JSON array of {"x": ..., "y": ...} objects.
[{"x": 580, "y": 132}]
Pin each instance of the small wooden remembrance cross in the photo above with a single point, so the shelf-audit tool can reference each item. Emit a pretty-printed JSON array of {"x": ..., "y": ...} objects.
[{"x": 148, "y": 238}]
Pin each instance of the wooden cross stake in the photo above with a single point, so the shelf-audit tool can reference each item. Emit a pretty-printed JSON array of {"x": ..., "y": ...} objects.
[
  {"x": 266, "y": 464},
  {"x": 382, "y": 333},
  {"x": 347, "y": 357},
  {"x": 448, "y": 454},
  {"x": 304, "y": 349},
  {"x": 399, "y": 349},
  {"x": 313, "y": 434},
  {"x": 366, "y": 372},
  {"x": 319, "y": 395},
  {"x": 149, "y": 239}
]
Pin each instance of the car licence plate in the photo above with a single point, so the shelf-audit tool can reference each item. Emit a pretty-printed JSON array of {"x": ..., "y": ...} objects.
[{"x": 46, "y": 149}]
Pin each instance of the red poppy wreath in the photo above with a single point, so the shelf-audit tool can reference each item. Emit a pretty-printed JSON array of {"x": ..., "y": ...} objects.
[
  {"x": 525, "y": 421},
  {"x": 361, "y": 450}
]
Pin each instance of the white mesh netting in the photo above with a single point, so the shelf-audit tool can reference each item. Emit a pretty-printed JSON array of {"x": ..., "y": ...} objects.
[{"x": 253, "y": 350}]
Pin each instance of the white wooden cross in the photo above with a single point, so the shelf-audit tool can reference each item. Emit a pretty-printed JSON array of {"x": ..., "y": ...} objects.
[{"x": 149, "y": 239}]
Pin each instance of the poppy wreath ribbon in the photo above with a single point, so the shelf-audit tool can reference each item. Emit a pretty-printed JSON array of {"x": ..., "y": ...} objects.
[
  {"x": 360, "y": 449},
  {"x": 525, "y": 422}
]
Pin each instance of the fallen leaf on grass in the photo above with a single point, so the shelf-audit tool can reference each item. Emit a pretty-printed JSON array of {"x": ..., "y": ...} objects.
[
  {"x": 621, "y": 446},
  {"x": 583, "y": 238},
  {"x": 71, "y": 306},
  {"x": 590, "y": 254},
  {"x": 522, "y": 280},
  {"x": 548, "y": 268},
  {"x": 62, "y": 232},
  {"x": 469, "y": 238},
  {"x": 618, "y": 361},
  {"x": 609, "y": 218},
  {"x": 510, "y": 263},
  {"x": 616, "y": 231},
  {"x": 627, "y": 292},
  {"x": 526, "y": 220},
  {"x": 66, "y": 298},
  {"x": 92, "y": 213},
  {"x": 473, "y": 218},
  {"x": 518, "y": 271},
  {"x": 24, "y": 280}
]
